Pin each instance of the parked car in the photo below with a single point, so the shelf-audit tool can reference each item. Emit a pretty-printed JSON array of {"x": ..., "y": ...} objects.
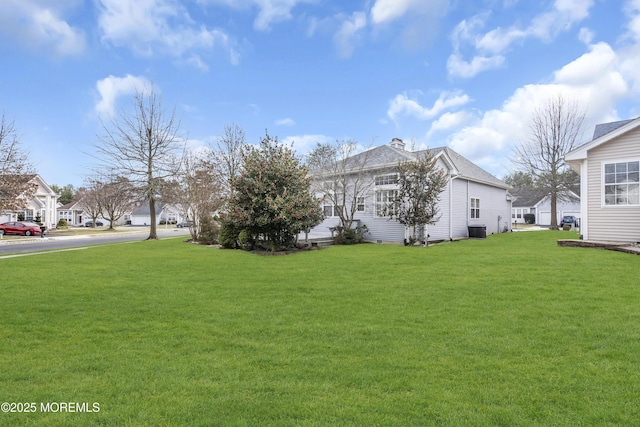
[
  {"x": 184, "y": 224},
  {"x": 20, "y": 227},
  {"x": 90, "y": 224},
  {"x": 569, "y": 219}
]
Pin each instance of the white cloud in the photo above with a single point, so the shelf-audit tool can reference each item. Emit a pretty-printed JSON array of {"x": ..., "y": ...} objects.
[
  {"x": 390, "y": 10},
  {"x": 491, "y": 45},
  {"x": 269, "y": 11},
  {"x": 632, "y": 9},
  {"x": 158, "y": 26},
  {"x": 458, "y": 67},
  {"x": 597, "y": 80},
  {"x": 450, "y": 121},
  {"x": 348, "y": 33},
  {"x": 403, "y": 105},
  {"x": 586, "y": 36},
  {"x": 112, "y": 87},
  {"x": 285, "y": 122},
  {"x": 40, "y": 25}
]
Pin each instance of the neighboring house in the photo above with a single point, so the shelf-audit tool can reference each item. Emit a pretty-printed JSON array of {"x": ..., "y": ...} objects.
[
  {"x": 75, "y": 215},
  {"x": 609, "y": 168},
  {"x": 72, "y": 213},
  {"x": 42, "y": 204},
  {"x": 472, "y": 197},
  {"x": 165, "y": 213},
  {"x": 525, "y": 202}
]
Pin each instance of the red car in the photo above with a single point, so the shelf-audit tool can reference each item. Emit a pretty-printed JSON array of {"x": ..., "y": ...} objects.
[{"x": 24, "y": 228}]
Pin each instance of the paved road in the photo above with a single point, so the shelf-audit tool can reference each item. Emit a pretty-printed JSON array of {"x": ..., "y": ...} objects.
[{"x": 36, "y": 244}]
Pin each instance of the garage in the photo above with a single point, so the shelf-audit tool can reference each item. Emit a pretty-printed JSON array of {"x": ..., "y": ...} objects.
[{"x": 544, "y": 218}]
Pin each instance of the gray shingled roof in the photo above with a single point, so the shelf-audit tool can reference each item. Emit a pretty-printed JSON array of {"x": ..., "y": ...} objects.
[
  {"x": 605, "y": 128},
  {"x": 385, "y": 155},
  {"x": 143, "y": 209},
  {"x": 470, "y": 170},
  {"x": 524, "y": 198}
]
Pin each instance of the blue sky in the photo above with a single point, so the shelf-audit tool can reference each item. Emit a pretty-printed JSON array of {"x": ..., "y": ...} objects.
[{"x": 463, "y": 73}]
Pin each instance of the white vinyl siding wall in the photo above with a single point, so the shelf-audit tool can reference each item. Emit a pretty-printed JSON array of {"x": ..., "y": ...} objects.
[
  {"x": 493, "y": 204},
  {"x": 616, "y": 223}
]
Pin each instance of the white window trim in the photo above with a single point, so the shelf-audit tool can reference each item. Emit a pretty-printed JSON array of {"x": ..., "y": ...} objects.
[
  {"x": 472, "y": 209},
  {"x": 385, "y": 185},
  {"x": 386, "y": 189},
  {"x": 603, "y": 203}
]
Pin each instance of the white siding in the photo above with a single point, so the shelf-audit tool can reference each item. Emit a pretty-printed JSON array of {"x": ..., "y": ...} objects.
[
  {"x": 493, "y": 204},
  {"x": 616, "y": 223},
  {"x": 454, "y": 213},
  {"x": 460, "y": 208}
]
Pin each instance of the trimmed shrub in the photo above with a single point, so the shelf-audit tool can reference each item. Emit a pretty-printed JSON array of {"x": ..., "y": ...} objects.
[
  {"x": 62, "y": 223},
  {"x": 228, "y": 236},
  {"x": 246, "y": 240},
  {"x": 209, "y": 231},
  {"x": 351, "y": 236}
]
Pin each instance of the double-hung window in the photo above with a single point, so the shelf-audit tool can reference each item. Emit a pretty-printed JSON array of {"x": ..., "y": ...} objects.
[
  {"x": 622, "y": 183},
  {"x": 385, "y": 202},
  {"x": 385, "y": 194},
  {"x": 475, "y": 208}
]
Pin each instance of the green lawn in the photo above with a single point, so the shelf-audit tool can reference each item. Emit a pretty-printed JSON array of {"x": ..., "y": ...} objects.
[{"x": 511, "y": 330}]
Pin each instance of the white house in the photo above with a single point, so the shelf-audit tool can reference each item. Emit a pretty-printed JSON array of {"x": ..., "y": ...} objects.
[
  {"x": 72, "y": 213},
  {"x": 472, "y": 197},
  {"x": 609, "y": 168},
  {"x": 532, "y": 203},
  {"x": 75, "y": 215},
  {"x": 41, "y": 205},
  {"x": 165, "y": 213}
]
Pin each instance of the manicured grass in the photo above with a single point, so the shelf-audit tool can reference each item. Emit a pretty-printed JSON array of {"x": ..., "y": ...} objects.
[{"x": 511, "y": 330}]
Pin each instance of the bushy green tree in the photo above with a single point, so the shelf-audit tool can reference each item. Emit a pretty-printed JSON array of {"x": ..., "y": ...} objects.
[
  {"x": 65, "y": 193},
  {"x": 270, "y": 201}
]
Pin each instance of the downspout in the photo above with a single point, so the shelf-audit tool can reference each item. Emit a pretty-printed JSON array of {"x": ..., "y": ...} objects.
[
  {"x": 584, "y": 201},
  {"x": 450, "y": 207}
]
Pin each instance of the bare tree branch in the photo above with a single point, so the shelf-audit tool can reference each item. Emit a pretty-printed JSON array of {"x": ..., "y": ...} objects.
[
  {"x": 144, "y": 146},
  {"x": 554, "y": 131},
  {"x": 16, "y": 187},
  {"x": 340, "y": 174}
]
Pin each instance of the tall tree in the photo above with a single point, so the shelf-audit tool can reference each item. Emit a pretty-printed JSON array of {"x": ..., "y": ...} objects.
[
  {"x": 340, "y": 175},
  {"x": 270, "y": 200},
  {"x": 143, "y": 145},
  {"x": 555, "y": 130},
  {"x": 16, "y": 186},
  {"x": 420, "y": 183}
]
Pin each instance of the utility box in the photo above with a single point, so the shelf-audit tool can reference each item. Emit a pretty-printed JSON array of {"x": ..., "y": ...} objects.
[{"x": 477, "y": 231}]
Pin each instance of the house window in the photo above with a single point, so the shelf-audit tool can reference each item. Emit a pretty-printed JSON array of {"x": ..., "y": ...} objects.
[
  {"x": 328, "y": 210},
  {"x": 475, "y": 208},
  {"x": 384, "y": 202},
  {"x": 386, "y": 179},
  {"x": 360, "y": 204},
  {"x": 622, "y": 183}
]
